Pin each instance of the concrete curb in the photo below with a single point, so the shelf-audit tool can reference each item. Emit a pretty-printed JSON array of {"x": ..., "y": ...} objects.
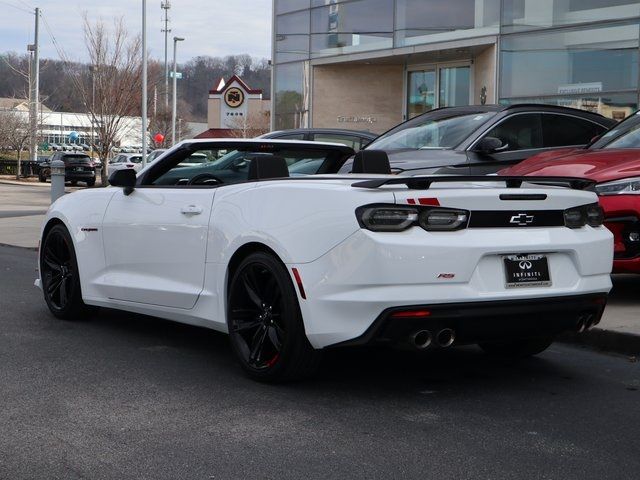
[
  {"x": 608, "y": 340},
  {"x": 24, "y": 184},
  {"x": 33, "y": 249}
]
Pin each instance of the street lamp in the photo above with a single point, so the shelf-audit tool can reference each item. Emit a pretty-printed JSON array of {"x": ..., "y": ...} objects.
[{"x": 174, "y": 106}]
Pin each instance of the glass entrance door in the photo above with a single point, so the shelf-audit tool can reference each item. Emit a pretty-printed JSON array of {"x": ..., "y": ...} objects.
[
  {"x": 454, "y": 86},
  {"x": 422, "y": 92},
  {"x": 438, "y": 86}
]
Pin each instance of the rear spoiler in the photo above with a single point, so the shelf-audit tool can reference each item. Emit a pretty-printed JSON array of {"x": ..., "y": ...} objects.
[{"x": 425, "y": 182}]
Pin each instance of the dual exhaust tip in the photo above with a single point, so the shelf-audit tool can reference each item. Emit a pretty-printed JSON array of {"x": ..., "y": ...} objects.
[
  {"x": 585, "y": 322},
  {"x": 423, "y": 339}
]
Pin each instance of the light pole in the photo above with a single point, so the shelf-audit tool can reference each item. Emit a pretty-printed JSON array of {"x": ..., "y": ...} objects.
[
  {"x": 144, "y": 83},
  {"x": 166, "y": 5},
  {"x": 174, "y": 106},
  {"x": 34, "y": 91}
]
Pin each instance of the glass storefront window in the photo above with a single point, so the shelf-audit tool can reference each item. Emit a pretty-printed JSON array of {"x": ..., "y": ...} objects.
[
  {"x": 284, "y": 6},
  {"x": 292, "y": 39},
  {"x": 358, "y": 25},
  {"x": 291, "y": 48},
  {"x": 612, "y": 105},
  {"x": 289, "y": 103},
  {"x": 520, "y": 15},
  {"x": 573, "y": 61},
  {"x": 424, "y": 21}
]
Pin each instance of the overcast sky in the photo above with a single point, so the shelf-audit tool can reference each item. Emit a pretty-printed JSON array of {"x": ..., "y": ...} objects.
[{"x": 211, "y": 27}]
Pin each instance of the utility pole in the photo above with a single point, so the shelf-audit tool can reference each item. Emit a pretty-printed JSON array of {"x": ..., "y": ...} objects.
[
  {"x": 34, "y": 92},
  {"x": 144, "y": 84},
  {"x": 166, "y": 5},
  {"x": 174, "y": 108}
]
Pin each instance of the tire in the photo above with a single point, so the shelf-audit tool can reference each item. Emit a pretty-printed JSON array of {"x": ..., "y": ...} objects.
[
  {"x": 91, "y": 183},
  {"x": 517, "y": 348},
  {"x": 42, "y": 179},
  {"x": 265, "y": 324},
  {"x": 73, "y": 183},
  {"x": 60, "y": 278}
]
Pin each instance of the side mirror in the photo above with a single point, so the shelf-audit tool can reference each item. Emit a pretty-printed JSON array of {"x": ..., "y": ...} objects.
[
  {"x": 124, "y": 178},
  {"x": 490, "y": 145}
]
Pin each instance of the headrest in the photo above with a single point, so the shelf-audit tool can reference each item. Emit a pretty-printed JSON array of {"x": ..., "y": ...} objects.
[
  {"x": 268, "y": 167},
  {"x": 371, "y": 161}
]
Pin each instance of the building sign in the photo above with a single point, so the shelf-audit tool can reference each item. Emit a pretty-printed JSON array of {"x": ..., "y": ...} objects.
[
  {"x": 234, "y": 97},
  {"x": 234, "y": 103},
  {"x": 234, "y": 107},
  {"x": 357, "y": 119},
  {"x": 580, "y": 88}
]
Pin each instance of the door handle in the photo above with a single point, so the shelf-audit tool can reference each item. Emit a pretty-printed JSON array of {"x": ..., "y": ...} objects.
[{"x": 191, "y": 210}]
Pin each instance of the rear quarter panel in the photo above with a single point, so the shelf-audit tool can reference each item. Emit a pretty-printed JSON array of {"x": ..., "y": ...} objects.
[{"x": 300, "y": 221}]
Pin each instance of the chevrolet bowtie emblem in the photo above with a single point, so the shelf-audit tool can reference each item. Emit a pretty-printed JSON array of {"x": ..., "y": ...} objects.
[{"x": 522, "y": 219}]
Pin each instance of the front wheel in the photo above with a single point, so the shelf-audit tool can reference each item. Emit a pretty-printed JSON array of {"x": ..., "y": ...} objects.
[
  {"x": 518, "y": 348},
  {"x": 265, "y": 324},
  {"x": 59, "y": 274}
]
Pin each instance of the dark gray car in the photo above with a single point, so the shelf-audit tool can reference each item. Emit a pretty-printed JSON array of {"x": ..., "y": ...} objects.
[
  {"x": 478, "y": 140},
  {"x": 355, "y": 139}
]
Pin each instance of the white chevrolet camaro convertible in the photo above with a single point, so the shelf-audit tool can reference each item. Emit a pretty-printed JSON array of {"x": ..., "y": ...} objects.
[{"x": 265, "y": 242}]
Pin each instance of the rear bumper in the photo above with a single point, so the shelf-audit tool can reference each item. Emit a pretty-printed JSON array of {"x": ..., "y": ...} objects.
[
  {"x": 370, "y": 273},
  {"x": 79, "y": 176},
  {"x": 476, "y": 322}
]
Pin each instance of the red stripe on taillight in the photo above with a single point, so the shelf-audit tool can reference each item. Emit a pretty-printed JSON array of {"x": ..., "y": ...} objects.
[
  {"x": 411, "y": 314},
  {"x": 411, "y": 201},
  {"x": 296, "y": 274},
  {"x": 433, "y": 202}
]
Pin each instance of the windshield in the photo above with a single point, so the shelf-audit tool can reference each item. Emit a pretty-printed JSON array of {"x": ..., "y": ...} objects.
[
  {"x": 626, "y": 134},
  {"x": 433, "y": 132}
]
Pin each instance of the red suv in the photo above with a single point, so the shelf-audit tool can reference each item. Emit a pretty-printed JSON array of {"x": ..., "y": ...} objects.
[{"x": 613, "y": 161}]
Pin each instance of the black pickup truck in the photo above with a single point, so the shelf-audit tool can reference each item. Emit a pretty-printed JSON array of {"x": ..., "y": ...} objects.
[{"x": 78, "y": 168}]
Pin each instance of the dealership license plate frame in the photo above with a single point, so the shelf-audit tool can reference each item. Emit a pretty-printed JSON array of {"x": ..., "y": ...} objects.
[{"x": 533, "y": 266}]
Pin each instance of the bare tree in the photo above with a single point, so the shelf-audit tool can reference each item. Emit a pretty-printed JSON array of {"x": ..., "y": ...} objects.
[
  {"x": 14, "y": 134},
  {"x": 250, "y": 126},
  {"x": 110, "y": 88}
]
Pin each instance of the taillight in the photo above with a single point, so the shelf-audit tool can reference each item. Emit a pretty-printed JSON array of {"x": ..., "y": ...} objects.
[
  {"x": 394, "y": 218},
  {"x": 388, "y": 219},
  {"x": 577, "y": 217},
  {"x": 129, "y": 165},
  {"x": 443, "y": 219}
]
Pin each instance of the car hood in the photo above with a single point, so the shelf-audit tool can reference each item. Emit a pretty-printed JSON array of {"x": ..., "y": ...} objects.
[{"x": 598, "y": 165}]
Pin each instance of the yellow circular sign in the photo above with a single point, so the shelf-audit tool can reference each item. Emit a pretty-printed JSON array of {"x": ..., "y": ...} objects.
[{"x": 234, "y": 97}]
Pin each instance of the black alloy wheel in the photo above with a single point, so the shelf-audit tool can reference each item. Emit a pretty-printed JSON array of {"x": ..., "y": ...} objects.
[
  {"x": 59, "y": 275},
  {"x": 265, "y": 323}
]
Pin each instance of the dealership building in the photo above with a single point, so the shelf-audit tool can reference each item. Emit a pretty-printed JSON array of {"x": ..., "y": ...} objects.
[{"x": 370, "y": 64}]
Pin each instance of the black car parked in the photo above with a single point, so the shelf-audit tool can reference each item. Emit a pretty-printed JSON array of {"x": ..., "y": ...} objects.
[
  {"x": 351, "y": 138},
  {"x": 478, "y": 140},
  {"x": 78, "y": 168}
]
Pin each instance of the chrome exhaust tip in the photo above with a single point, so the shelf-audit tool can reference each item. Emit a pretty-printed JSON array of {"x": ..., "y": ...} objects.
[
  {"x": 581, "y": 325},
  {"x": 445, "y": 337},
  {"x": 421, "y": 339}
]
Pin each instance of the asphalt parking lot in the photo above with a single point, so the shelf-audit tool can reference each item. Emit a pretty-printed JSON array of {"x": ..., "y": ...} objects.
[{"x": 126, "y": 396}]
